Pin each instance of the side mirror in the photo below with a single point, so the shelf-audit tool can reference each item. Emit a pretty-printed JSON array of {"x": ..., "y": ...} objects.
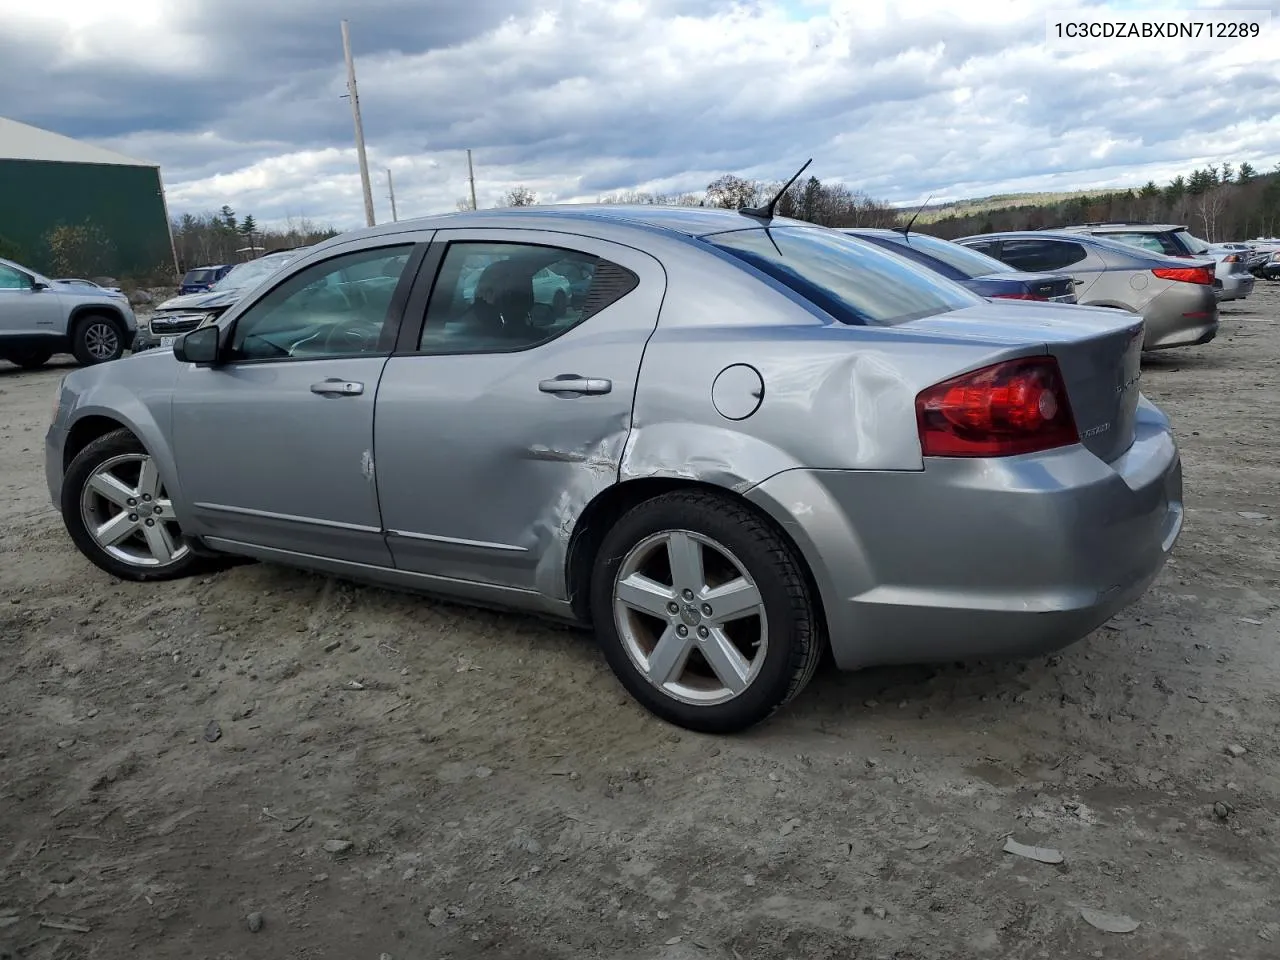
[
  {"x": 38, "y": 284},
  {"x": 200, "y": 347}
]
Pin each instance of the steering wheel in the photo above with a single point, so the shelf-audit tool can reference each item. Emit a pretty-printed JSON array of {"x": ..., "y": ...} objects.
[{"x": 352, "y": 336}]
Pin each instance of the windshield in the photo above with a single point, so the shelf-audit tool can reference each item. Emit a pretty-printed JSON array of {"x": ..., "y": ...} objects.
[
  {"x": 243, "y": 274},
  {"x": 854, "y": 282},
  {"x": 970, "y": 263}
]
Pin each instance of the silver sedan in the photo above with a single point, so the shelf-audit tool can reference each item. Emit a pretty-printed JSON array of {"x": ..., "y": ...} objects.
[{"x": 749, "y": 441}]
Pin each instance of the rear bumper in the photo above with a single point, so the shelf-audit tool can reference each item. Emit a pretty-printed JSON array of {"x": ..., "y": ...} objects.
[
  {"x": 983, "y": 558},
  {"x": 1184, "y": 315},
  {"x": 1236, "y": 286}
]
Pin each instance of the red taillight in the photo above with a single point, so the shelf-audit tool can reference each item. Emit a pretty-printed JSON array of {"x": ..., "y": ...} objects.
[
  {"x": 1185, "y": 274},
  {"x": 1019, "y": 406},
  {"x": 1018, "y": 296}
]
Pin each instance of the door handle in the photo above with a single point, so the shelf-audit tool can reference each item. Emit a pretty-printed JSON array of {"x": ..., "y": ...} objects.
[
  {"x": 1077, "y": 283},
  {"x": 334, "y": 387},
  {"x": 570, "y": 384}
]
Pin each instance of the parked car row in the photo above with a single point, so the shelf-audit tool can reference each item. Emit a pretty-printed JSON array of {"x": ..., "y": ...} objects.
[
  {"x": 736, "y": 441},
  {"x": 1173, "y": 295},
  {"x": 1265, "y": 258},
  {"x": 185, "y": 312}
]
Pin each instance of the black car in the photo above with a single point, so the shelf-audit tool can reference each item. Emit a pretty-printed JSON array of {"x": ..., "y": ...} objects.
[{"x": 984, "y": 275}]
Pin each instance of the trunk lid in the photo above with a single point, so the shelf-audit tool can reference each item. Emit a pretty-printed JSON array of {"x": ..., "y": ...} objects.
[
  {"x": 1054, "y": 287},
  {"x": 1098, "y": 350}
]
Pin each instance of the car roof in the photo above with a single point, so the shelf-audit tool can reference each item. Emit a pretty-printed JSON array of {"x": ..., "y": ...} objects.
[
  {"x": 15, "y": 265},
  {"x": 1084, "y": 239},
  {"x": 1121, "y": 226},
  {"x": 686, "y": 221}
]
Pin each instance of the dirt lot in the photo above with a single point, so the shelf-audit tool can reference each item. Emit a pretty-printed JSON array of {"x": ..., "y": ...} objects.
[{"x": 496, "y": 794}]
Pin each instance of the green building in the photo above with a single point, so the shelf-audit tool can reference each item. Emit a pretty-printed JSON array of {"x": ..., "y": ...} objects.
[{"x": 68, "y": 207}]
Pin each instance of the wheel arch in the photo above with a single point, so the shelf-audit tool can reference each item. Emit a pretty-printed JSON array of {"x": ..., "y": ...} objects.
[
  {"x": 90, "y": 422},
  {"x": 611, "y": 503},
  {"x": 83, "y": 311},
  {"x": 84, "y": 431}
]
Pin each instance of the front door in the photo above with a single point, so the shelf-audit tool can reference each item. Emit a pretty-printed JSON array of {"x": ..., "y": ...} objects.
[
  {"x": 509, "y": 410},
  {"x": 26, "y": 312},
  {"x": 274, "y": 445}
]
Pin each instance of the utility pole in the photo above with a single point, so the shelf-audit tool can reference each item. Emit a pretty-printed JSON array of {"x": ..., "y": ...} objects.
[
  {"x": 355, "y": 114},
  {"x": 391, "y": 193},
  {"x": 471, "y": 178}
]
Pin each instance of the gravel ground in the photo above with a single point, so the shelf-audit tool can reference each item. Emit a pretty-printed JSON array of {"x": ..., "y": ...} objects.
[{"x": 266, "y": 763}]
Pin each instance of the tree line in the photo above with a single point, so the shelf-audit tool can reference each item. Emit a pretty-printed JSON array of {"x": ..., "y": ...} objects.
[
  {"x": 1218, "y": 203},
  {"x": 222, "y": 237},
  {"x": 827, "y": 204}
]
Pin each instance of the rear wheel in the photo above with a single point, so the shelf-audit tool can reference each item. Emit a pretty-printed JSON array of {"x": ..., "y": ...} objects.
[
  {"x": 703, "y": 612},
  {"x": 30, "y": 359},
  {"x": 119, "y": 514},
  {"x": 97, "y": 339}
]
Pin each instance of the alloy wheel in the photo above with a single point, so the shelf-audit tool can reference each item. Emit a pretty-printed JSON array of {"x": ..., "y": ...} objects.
[
  {"x": 101, "y": 340},
  {"x": 128, "y": 514},
  {"x": 690, "y": 617}
]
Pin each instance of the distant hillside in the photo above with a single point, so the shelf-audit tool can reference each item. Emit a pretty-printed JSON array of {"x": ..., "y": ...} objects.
[
  {"x": 975, "y": 205},
  {"x": 1216, "y": 203}
]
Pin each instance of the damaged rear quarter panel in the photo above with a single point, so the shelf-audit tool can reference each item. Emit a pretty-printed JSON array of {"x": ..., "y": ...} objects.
[{"x": 835, "y": 396}]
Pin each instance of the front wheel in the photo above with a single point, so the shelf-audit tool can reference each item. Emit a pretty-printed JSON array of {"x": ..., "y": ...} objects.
[
  {"x": 119, "y": 514},
  {"x": 704, "y": 613}
]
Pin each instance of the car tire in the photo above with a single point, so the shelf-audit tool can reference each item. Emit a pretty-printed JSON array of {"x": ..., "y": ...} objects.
[
  {"x": 737, "y": 551},
  {"x": 97, "y": 338},
  {"x": 30, "y": 359},
  {"x": 121, "y": 457}
]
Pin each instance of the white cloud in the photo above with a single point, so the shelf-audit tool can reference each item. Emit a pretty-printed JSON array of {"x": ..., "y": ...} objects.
[{"x": 575, "y": 99}]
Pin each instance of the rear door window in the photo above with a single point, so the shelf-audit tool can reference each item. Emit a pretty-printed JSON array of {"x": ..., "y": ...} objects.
[
  {"x": 854, "y": 282},
  {"x": 1035, "y": 255}
]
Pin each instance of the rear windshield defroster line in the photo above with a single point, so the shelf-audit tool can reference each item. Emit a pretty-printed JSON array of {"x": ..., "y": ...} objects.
[{"x": 856, "y": 283}]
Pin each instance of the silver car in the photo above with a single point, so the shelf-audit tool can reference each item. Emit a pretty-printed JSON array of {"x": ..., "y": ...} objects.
[
  {"x": 1232, "y": 279},
  {"x": 744, "y": 446},
  {"x": 1175, "y": 297}
]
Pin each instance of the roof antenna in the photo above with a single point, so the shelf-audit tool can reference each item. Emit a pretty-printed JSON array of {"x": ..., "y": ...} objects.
[
  {"x": 766, "y": 212},
  {"x": 907, "y": 228}
]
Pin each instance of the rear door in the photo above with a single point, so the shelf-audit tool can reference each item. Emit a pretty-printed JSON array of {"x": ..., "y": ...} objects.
[
  {"x": 1051, "y": 255},
  {"x": 506, "y": 407}
]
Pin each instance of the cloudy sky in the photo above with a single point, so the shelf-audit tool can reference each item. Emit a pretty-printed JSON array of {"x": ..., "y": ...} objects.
[{"x": 240, "y": 101}]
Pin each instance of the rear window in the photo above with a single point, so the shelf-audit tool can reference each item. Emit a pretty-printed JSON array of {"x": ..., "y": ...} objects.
[
  {"x": 1162, "y": 243},
  {"x": 1191, "y": 243},
  {"x": 201, "y": 276},
  {"x": 968, "y": 262},
  {"x": 854, "y": 282}
]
